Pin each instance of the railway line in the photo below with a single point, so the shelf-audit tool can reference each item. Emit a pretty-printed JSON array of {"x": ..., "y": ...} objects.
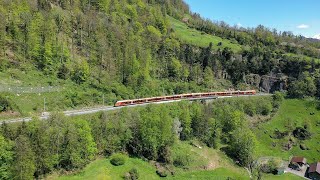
[{"x": 130, "y": 104}]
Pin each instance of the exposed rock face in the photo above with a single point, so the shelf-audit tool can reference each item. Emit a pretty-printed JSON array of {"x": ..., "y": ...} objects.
[
  {"x": 253, "y": 80},
  {"x": 273, "y": 83},
  {"x": 268, "y": 83}
]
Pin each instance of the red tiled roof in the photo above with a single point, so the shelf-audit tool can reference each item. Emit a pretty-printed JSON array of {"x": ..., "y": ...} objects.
[
  {"x": 298, "y": 160},
  {"x": 315, "y": 167}
]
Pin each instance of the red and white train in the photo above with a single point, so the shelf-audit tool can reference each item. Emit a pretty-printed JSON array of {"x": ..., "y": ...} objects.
[{"x": 183, "y": 96}]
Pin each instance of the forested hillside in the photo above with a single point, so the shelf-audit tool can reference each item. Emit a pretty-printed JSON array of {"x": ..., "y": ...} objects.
[
  {"x": 64, "y": 54},
  {"x": 134, "y": 48},
  {"x": 154, "y": 133}
]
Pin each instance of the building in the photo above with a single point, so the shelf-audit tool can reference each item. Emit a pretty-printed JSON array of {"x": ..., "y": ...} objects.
[
  {"x": 297, "y": 162},
  {"x": 314, "y": 171}
]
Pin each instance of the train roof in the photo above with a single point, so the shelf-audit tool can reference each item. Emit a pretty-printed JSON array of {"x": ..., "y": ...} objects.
[{"x": 183, "y": 95}]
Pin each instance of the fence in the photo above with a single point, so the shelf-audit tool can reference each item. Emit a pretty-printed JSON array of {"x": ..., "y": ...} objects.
[{"x": 21, "y": 90}]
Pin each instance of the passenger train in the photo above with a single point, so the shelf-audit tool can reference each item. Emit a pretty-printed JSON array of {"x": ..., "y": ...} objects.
[{"x": 189, "y": 96}]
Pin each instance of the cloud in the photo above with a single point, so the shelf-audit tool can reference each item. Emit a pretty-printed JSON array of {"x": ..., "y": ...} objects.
[
  {"x": 239, "y": 25},
  {"x": 303, "y": 26},
  {"x": 316, "y": 36}
]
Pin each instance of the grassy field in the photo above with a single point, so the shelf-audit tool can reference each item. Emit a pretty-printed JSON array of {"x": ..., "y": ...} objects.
[
  {"x": 198, "y": 38},
  {"x": 286, "y": 176},
  {"x": 217, "y": 164},
  {"x": 301, "y": 56},
  {"x": 293, "y": 113},
  {"x": 219, "y": 173},
  {"x": 103, "y": 169}
]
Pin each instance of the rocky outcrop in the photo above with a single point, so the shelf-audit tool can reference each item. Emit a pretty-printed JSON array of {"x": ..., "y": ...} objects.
[
  {"x": 271, "y": 83},
  {"x": 268, "y": 83},
  {"x": 253, "y": 80}
]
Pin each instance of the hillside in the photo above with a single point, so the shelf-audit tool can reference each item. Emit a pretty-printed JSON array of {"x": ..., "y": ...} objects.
[
  {"x": 67, "y": 54},
  {"x": 128, "y": 49},
  {"x": 192, "y": 36},
  {"x": 303, "y": 113}
]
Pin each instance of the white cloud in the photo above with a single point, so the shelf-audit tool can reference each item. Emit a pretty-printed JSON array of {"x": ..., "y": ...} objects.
[
  {"x": 316, "y": 36},
  {"x": 239, "y": 25},
  {"x": 303, "y": 26}
]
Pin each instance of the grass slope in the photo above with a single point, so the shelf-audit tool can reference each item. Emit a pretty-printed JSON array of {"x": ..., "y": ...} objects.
[
  {"x": 103, "y": 169},
  {"x": 304, "y": 57},
  {"x": 296, "y": 112},
  {"x": 286, "y": 176},
  {"x": 217, "y": 163},
  {"x": 198, "y": 38},
  {"x": 220, "y": 173}
]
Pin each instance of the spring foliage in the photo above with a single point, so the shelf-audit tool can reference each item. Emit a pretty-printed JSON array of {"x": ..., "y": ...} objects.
[{"x": 36, "y": 148}]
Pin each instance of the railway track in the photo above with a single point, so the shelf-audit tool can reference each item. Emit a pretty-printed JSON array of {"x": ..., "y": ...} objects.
[{"x": 46, "y": 115}]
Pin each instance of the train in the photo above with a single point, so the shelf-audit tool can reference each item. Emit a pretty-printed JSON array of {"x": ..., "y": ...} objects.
[{"x": 188, "y": 96}]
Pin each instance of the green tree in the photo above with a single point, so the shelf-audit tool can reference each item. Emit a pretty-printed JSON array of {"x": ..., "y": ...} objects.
[
  {"x": 6, "y": 158},
  {"x": 208, "y": 78},
  {"x": 243, "y": 145},
  {"x": 7, "y": 131},
  {"x": 185, "y": 118},
  {"x": 41, "y": 146},
  {"x": 236, "y": 120},
  {"x": 212, "y": 137},
  {"x": 24, "y": 159},
  {"x": 118, "y": 133},
  {"x": 155, "y": 132},
  {"x": 79, "y": 145},
  {"x": 175, "y": 69},
  {"x": 303, "y": 86},
  {"x": 80, "y": 72}
]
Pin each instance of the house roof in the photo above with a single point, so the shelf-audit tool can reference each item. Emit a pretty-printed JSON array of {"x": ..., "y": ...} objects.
[
  {"x": 297, "y": 159},
  {"x": 315, "y": 167}
]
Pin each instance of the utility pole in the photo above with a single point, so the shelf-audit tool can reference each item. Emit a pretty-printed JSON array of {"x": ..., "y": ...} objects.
[
  {"x": 44, "y": 104},
  {"x": 102, "y": 99}
]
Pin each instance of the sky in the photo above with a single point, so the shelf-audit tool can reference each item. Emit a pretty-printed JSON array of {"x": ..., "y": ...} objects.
[{"x": 302, "y": 17}]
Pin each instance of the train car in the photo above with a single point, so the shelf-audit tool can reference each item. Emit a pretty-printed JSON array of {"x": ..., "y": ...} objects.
[
  {"x": 182, "y": 96},
  {"x": 123, "y": 103}
]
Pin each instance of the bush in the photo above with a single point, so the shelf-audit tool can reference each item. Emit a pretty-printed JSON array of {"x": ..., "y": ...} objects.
[
  {"x": 133, "y": 174},
  {"x": 301, "y": 133},
  {"x": 264, "y": 108},
  {"x": 278, "y": 97},
  {"x": 5, "y": 104},
  {"x": 271, "y": 166},
  {"x": 118, "y": 159},
  {"x": 162, "y": 172},
  {"x": 249, "y": 108},
  {"x": 181, "y": 160}
]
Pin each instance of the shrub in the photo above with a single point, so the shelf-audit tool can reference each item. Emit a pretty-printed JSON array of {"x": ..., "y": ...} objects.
[
  {"x": 5, "y": 105},
  {"x": 271, "y": 166},
  {"x": 118, "y": 159},
  {"x": 162, "y": 172},
  {"x": 278, "y": 97},
  {"x": 180, "y": 161},
  {"x": 133, "y": 174},
  {"x": 301, "y": 133},
  {"x": 250, "y": 108},
  {"x": 264, "y": 107}
]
